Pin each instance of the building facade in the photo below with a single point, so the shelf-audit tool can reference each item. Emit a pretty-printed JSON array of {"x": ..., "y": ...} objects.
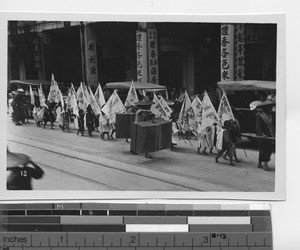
[{"x": 193, "y": 55}]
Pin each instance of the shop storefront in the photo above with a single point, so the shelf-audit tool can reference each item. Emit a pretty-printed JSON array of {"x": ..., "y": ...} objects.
[{"x": 193, "y": 55}]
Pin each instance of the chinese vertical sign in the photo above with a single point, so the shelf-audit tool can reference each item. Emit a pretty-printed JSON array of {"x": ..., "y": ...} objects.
[
  {"x": 91, "y": 62},
  {"x": 152, "y": 56},
  {"x": 141, "y": 56},
  {"x": 37, "y": 56},
  {"x": 239, "y": 51},
  {"x": 227, "y": 52}
]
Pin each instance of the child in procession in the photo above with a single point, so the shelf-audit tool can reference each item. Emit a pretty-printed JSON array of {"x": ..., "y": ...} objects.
[
  {"x": 80, "y": 120},
  {"x": 224, "y": 143},
  {"x": 37, "y": 113},
  {"x": 202, "y": 141},
  {"x": 89, "y": 120},
  {"x": 235, "y": 136},
  {"x": 59, "y": 115},
  {"x": 215, "y": 129},
  {"x": 104, "y": 126},
  {"x": 48, "y": 114}
]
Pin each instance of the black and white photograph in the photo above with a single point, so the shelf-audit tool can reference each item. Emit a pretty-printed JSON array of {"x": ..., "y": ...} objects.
[{"x": 144, "y": 105}]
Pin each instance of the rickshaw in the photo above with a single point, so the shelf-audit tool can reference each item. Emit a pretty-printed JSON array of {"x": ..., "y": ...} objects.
[
  {"x": 13, "y": 85},
  {"x": 240, "y": 94},
  {"x": 123, "y": 88}
]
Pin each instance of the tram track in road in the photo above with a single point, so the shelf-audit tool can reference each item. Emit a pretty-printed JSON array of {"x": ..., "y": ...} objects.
[
  {"x": 178, "y": 186},
  {"x": 80, "y": 177}
]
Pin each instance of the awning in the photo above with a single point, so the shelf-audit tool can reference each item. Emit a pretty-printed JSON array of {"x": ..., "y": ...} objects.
[
  {"x": 29, "y": 82},
  {"x": 247, "y": 85},
  {"x": 137, "y": 85}
]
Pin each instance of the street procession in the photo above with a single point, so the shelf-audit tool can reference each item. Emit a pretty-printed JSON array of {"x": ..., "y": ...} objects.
[
  {"x": 89, "y": 112},
  {"x": 145, "y": 120},
  {"x": 115, "y": 127}
]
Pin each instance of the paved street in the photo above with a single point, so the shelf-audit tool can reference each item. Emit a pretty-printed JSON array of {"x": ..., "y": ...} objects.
[{"x": 74, "y": 162}]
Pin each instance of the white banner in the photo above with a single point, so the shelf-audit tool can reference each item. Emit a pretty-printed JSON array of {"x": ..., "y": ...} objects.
[{"x": 227, "y": 52}]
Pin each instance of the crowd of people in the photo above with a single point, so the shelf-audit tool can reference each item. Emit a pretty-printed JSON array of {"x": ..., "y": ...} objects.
[{"x": 218, "y": 138}]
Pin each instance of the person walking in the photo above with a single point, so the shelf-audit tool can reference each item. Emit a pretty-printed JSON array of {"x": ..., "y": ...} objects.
[
  {"x": 266, "y": 131},
  {"x": 225, "y": 144},
  {"x": 17, "y": 105},
  {"x": 90, "y": 120},
  {"x": 37, "y": 113},
  {"x": 80, "y": 120},
  {"x": 9, "y": 104}
]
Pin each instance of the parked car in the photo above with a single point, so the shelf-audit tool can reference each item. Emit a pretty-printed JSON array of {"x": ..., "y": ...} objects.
[{"x": 240, "y": 94}]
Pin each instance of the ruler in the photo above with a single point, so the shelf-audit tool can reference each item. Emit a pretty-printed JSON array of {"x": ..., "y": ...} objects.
[{"x": 90, "y": 226}]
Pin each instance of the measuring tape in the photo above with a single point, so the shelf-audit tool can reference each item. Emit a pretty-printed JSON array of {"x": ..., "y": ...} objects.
[{"x": 90, "y": 226}]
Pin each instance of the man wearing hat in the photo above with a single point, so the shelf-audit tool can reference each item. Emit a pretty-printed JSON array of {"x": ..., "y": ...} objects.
[
  {"x": 265, "y": 130},
  {"x": 17, "y": 105}
]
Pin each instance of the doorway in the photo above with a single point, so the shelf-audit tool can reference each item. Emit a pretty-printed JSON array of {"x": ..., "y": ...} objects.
[{"x": 170, "y": 69}]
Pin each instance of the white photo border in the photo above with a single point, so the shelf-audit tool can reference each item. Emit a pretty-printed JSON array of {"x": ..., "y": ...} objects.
[{"x": 280, "y": 162}]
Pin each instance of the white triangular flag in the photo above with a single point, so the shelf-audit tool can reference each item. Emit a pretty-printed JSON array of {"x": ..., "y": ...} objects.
[
  {"x": 31, "y": 95},
  {"x": 99, "y": 96},
  {"x": 132, "y": 97},
  {"x": 197, "y": 106},
  {"x": 157, "y": 108},
  {"x": 187, "y": 118},
  {"x": 53, "y": 95},
  {"x": 209, "y": 114},
  {"x": 94, "y": 105},
  {"x": 112, "y": 106},
  {"x": 165, "y": 106},
  {"x": 224, "y": 111},
  {"x": 42, "y": 98}
]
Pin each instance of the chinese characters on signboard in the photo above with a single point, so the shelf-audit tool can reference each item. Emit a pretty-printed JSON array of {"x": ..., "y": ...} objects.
[
  {"x": 227, "y": 52},
  {"x": 37, "y": 53},
  {"x": 239, "y": 51},
  {"x": 173, "y": 44},
  {"x": 141, "y": 56},
  {"x": 152, "y": 56},
  {"x": 253, "y": 34},
  {"x": 92, "y": 74}
]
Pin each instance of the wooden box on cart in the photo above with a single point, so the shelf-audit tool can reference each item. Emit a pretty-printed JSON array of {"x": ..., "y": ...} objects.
[
  {"x": 123, "y": 123},
  {"x": 147, "y": 137}
]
